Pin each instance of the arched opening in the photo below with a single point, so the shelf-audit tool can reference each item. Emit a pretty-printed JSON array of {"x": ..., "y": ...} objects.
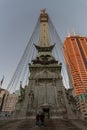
[{"x": 46, "y": 112}]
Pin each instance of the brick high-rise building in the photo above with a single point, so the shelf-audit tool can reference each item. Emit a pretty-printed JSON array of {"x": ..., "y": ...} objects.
[
  {"x": 75, "y": 53},
  {"x": 9, "y": 103},
  {"x": 3, "y": 95}
]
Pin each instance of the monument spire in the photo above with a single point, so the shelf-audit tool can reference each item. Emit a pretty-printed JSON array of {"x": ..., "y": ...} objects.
[
  {"x": 44, "y": 40},
  {"x": 44, "y": 55},
  {"x": 45, "y": 90}
]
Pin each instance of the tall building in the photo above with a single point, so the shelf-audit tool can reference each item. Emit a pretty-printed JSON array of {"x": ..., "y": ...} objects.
[
  {"x": 75, "y": 52},
  {"x": 10, "y": 103},
  {"x": 45, "y": 91},
  {"x": 3, "y": 95}
]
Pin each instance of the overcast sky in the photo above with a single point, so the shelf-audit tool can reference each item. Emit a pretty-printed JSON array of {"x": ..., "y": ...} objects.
[{"x": 18, "y": 19}]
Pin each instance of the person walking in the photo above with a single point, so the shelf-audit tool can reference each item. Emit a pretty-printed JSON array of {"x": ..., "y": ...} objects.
[
  {"x": 37, "y": 119},
  {"x": 42, "y": 118}
]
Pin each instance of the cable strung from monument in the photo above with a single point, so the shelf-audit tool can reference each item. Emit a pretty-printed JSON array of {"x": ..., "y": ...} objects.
[
  {"x": 22, "y": 71},
  {"x": 58, "y": 51},
  {"x": 23, "y": 64}
]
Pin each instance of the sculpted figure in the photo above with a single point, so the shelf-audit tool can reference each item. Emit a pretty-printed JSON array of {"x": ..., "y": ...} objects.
[
  {"x": 59, "y": 95},
  {"x": 22, "y": 94},
  {"x": 31, "y": 97}
]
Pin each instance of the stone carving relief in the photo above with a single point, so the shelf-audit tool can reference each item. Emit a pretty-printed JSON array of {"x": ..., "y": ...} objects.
[
  {"x": 22, "y": 94},
  {"x": 59, "y": 97},
  {"x": 31, "y": 97}
]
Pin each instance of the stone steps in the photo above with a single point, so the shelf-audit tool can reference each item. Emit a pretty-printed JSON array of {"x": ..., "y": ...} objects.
[{"x": 48, "y": 125}]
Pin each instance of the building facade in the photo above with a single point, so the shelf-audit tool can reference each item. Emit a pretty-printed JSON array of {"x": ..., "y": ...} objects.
[
  {"x": 3, "y": 95},
  {"x": 75, "y": 53},
  {"x": 10, "y": 103}
]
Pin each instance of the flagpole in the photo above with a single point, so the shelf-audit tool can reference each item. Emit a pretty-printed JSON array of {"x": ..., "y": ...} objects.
[{"x": 1, "y": 82}]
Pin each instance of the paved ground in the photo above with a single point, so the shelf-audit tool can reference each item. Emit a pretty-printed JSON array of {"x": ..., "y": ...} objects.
[{"x": 49, "y": 125}]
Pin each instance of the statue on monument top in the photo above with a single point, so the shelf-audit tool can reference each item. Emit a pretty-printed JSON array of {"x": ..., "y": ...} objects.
[{"x": 43, "y": 11}]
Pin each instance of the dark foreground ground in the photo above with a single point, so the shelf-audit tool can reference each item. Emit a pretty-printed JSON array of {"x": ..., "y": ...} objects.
[{"x": 56, "y": 124}]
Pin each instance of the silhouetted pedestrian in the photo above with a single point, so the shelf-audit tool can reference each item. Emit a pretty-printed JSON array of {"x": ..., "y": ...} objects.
[
  {"x": 37, "y": 119},
  {"x": 42, "y": 118}
]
